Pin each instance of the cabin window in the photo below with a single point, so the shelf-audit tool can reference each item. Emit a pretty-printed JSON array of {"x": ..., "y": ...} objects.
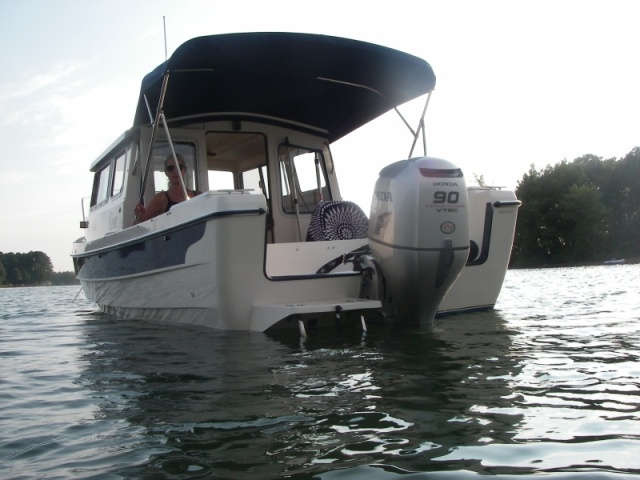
[
  {"x": 237, "y": 160},
  {"x": 160, "y": 153},
  {"x": 100, "y": 193},
  {"x": 256, "y": 180},
  {"x": 303, "y": 178},
  {"x": 219, "y": 180},
  {"x": 108, "y": 181},
  {"x": 118, "y": 175}
]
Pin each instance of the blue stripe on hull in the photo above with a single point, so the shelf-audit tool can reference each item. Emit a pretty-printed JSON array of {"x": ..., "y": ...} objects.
[{"x": 162, "y": 251}]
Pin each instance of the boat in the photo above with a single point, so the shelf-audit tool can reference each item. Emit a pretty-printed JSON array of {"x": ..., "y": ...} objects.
[
  {"x": 615, "y": 261},
  {"x": 268, "y": 242}
]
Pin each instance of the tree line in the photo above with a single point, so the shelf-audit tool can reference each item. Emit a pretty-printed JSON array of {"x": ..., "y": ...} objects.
[
  {"x": 585, "y": 211},
  {"x": 28, "y": 269}
]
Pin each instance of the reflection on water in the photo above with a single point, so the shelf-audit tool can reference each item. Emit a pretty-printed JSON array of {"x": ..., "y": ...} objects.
[
  {"x": 263, "y": 405},
  {"x": 546, "y": 385}
]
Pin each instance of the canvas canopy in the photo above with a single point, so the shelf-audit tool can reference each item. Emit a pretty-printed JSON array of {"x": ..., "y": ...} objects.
[{"x": 330, "y": 84}]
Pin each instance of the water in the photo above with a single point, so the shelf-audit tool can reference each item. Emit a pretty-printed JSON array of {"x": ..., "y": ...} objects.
[{"x": 545, "y": 386}]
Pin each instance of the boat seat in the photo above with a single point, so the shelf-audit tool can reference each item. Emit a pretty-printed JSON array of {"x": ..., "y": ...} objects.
[{"x": 332, "y": 220}]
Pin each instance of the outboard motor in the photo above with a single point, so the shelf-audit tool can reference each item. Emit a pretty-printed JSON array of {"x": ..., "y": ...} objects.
[{"x": 419, "y": 235}]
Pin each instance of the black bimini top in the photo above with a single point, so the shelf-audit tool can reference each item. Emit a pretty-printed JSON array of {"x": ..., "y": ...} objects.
[{"x": 328, "y": 83}]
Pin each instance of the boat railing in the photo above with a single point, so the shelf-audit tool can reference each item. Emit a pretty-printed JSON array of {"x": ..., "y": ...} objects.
[{"x": 83, "y": 223}]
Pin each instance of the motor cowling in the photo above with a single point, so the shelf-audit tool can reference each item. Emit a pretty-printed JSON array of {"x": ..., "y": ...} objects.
[{"x": 419, "y": 234}]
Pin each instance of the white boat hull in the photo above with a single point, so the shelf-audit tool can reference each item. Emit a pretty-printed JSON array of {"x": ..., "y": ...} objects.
[
  {"x": 492, "y": 227},
  {"x": 213, "y": 271}
]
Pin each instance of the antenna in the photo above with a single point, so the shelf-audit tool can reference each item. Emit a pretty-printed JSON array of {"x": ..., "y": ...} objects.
[{"x": 164, "y": 26}]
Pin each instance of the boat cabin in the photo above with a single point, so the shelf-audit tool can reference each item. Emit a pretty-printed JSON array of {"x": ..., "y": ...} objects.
[{"x": 293, "y": 170}]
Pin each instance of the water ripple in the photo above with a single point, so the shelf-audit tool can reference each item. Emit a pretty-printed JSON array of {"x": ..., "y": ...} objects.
[{"x": 545, "y": 386}]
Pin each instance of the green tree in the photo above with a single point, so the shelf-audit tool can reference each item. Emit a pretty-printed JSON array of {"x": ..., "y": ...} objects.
[
  {"x": 63, "y": 278},
  {"x": 582, "y": 217},
  {"x": 585, "y": 210},
  {"x": 16, "y": 276},
  {"x": 11, "y": 268},
  {"x": 39, "y": 267},
  {"x": 622, "y": 193},
  {"x": 33, "y": 268}
]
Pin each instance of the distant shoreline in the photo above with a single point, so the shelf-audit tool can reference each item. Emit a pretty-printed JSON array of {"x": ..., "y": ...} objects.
[{"x": 627, "y": 261}]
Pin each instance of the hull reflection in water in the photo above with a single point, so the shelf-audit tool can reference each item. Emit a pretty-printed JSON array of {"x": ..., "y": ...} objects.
[{"x": 244, "y": 404}]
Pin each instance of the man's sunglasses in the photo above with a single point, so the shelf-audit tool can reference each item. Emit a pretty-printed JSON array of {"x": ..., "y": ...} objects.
[{"x": 171, "y": 168}]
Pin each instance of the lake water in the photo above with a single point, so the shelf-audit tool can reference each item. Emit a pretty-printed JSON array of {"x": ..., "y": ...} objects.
[{"x": 545, "y": 386}]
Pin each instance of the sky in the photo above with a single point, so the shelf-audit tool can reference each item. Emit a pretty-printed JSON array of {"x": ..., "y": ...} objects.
[{"x": 519, "y": 83}]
